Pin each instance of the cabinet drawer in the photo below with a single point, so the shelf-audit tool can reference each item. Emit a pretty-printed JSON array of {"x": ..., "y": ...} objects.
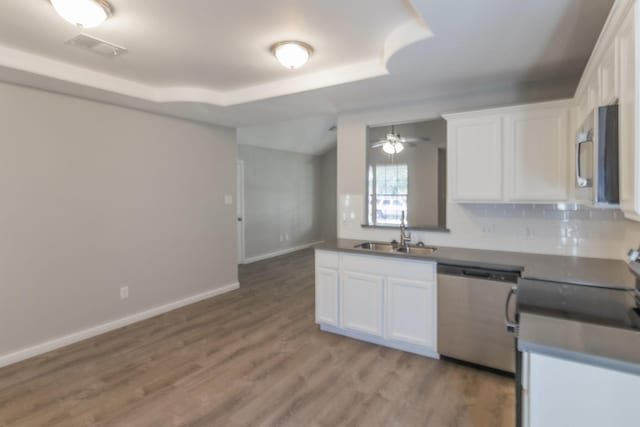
[
  {"x": 327, "y": 259},
  {"x": 389, "y": 266}
]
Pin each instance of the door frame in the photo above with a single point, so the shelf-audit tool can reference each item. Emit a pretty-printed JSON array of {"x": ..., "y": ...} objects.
[{"x": 240, "y": 218}]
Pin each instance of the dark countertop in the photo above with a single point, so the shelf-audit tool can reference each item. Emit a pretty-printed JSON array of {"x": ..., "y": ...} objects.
[
  {"x": 594, "y": 344},
  {"x": 606, "y": 273}
]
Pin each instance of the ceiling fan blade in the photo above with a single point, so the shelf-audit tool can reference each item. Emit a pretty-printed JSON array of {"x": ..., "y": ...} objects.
[
  {"x": 414, "y": 140},
  {"x": 377, "y": 144}
]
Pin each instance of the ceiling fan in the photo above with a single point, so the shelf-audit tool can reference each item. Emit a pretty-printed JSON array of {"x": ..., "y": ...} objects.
[{"x": 393, "y": 143}]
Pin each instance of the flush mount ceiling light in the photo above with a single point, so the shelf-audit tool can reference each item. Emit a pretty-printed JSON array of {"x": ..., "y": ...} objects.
[
  {"x": 83, "y": 13},
  {"x": 292, "y": 54}
]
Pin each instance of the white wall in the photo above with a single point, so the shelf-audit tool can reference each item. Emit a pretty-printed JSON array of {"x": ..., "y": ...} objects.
[
  {"x": 95, "y": 197},
  {"x": 525, "y": 228},
  {"x": 329, "y": 182},
  {"x": 282, "y": 200}
]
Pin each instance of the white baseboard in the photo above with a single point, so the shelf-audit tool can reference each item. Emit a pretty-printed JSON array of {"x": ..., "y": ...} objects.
[
  {"x": 280, "y": 252},
  {"x": 38, "y": 349}
]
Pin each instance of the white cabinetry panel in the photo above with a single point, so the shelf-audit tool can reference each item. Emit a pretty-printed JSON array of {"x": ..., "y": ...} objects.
[
  {"x": 608, "y": 83},
  {"x": 563, "y": 393},
  {"x": 537, "y": 143},
  {"x": 410, "y": 316},
  {"x": 327, "y": 288},
  {"x": 475, "y": 151},
  {"x": 362, "y": 303}
]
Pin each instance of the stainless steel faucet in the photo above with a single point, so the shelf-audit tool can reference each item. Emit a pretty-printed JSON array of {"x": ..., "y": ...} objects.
[{"x": 404, "y": 235}]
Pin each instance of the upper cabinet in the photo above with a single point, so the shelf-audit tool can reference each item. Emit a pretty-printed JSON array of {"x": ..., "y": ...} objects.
[
  {"x": 608, "y": 77},
  {"x": 511, "y": 155},
  {"x": 476, "y": 151},
  {"x": 536, "y": 144}
]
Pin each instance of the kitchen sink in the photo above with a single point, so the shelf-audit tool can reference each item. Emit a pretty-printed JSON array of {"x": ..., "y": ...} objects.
[
  {"x": 374, "y": 246},
  {"x": 417, "y": 250},
  {"x": 389, "y": 247}
]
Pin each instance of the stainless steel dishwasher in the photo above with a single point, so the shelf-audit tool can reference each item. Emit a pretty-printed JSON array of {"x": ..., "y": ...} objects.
[{"x": 472, "y": 305}]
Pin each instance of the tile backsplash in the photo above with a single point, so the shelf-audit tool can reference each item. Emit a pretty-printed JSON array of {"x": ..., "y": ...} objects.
[
  {"x": 565, "y": 229},
  {"x": 563, "y": 222}
]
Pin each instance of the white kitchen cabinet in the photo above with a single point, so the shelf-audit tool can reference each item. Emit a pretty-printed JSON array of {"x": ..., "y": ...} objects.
[
  {"x": 564, "y": 393},
  {"x": 510, "y": 155},
  {"x": 475, "y": 151},
  {"x": 536, "y": 144},
  {"x": 625, "y": 42},
  {"x": 410, "y": 316},
  {"x": 327, "y": 288},
  {"x": 608, "y": 77},
  {"x": 384, "y": 300},
  {"x": 362, "y": 303}
]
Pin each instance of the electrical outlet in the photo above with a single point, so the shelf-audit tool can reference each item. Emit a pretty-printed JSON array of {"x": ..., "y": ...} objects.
[
  {"x": 286, "y": 236},
  {"x": 124, "y": 292}
]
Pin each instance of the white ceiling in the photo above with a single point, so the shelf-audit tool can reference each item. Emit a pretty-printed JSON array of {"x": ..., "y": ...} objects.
[
  {"x": 208, "y": 60},
  {"x": 310, "y": 135}
]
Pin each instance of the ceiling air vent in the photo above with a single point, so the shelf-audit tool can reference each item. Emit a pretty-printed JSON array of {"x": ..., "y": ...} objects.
[{"x": 95, "y": 45}]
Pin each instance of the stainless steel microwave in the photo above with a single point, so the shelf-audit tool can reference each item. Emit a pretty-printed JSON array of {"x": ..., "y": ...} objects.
[{"x": 597, "y": 176}]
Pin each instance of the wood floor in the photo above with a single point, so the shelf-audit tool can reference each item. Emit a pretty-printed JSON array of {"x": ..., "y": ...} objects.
[{"x": 251, "y": 357}]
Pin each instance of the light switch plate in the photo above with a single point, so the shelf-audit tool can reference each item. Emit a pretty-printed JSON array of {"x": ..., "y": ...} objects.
[{"x": 228, "y": 199}]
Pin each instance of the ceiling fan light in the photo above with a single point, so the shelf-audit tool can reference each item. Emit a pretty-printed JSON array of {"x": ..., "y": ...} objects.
[
  {"x": 398, "y": 147},
  {"x": 389, "y": 148},
  {"x": 292, "y": 54},
  {"x": 83, "y": 13}
]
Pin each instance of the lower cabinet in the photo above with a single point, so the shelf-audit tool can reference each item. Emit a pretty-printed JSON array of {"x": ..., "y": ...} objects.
[
  {"x": 327, "y": 296},
  {"x": 384, "y": 300},
  {"x": 565, "y": 393},
  {"x": 409, "y": 311},
  {"x": 362, "y": 303}
]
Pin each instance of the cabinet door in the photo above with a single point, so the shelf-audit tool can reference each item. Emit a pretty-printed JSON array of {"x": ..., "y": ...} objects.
[
  {"x": 582, "y": 108},
  {"x": 627, "y": 114},
  {"x": 475, "y": 159},
  {"x": 327, "y": 288},
  {"x": 410, "y": 312},
  {"x": 362, "y": 303},
  {"x": 608, "y": 77},
  {"x": 537, "y": 143},
  {"x": 564, "y": 393}
]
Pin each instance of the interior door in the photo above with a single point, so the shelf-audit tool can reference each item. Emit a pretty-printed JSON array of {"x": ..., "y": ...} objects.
[{"x": 240, "y": 210}]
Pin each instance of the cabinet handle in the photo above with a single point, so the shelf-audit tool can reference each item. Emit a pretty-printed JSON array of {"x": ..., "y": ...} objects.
[
  {"x": 479, "y": 274},
  {"x": 582, "y": 182},
  {"x": 512, "y": 325}
]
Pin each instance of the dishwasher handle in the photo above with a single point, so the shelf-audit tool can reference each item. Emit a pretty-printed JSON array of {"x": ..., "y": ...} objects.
[
  {"x": 477, "y": 274},
  {"x": 511, "y": 324}
]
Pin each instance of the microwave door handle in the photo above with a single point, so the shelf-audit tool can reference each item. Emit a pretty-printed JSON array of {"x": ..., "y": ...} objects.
[{"x": 582, "y": 182}]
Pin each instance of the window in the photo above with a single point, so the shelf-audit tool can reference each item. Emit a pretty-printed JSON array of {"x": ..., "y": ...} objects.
[{"x": 391, "y": 184}]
